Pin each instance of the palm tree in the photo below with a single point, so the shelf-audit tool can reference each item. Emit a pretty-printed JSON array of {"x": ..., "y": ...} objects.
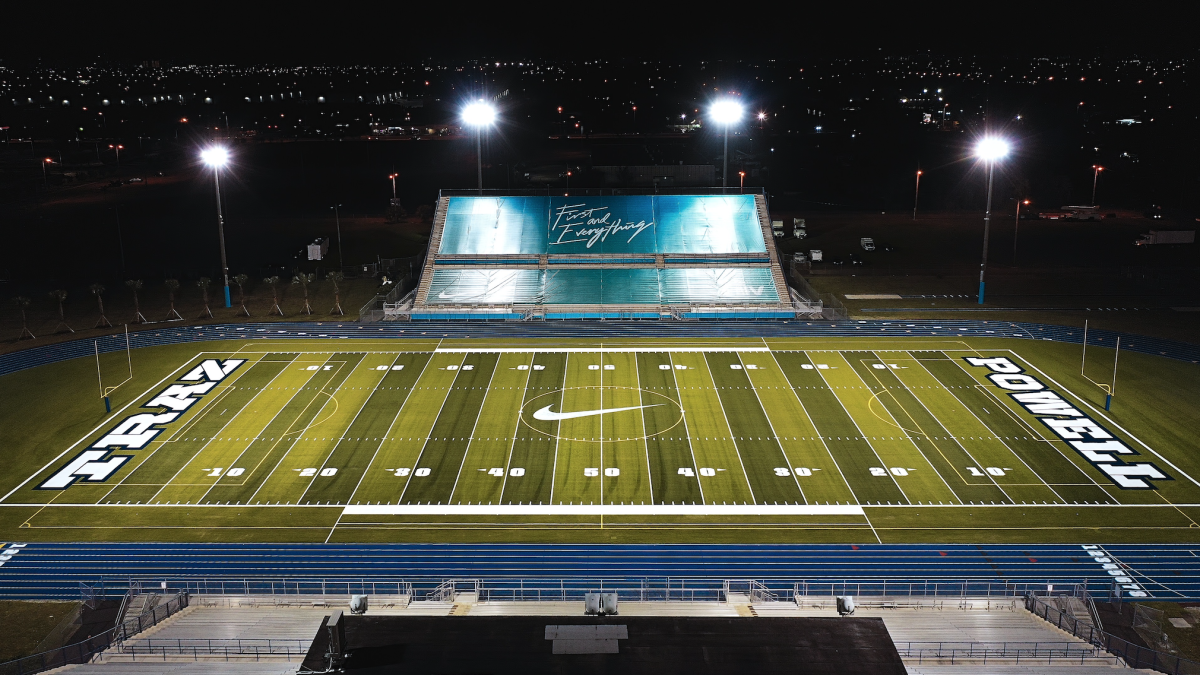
[
  {"x": 172, "y": 286},
  {"x": 22, "y": 302},
  {"x": 135, "y": 285},
  {"x": 98, "y": 291},
  {"x": 273, "y": 282},
  {"x": 204, "y": 283},
  {"x": 60, "y": 295},
  {"x": 304, "y": 280},
  {"x": 336, "y": 278},
  {"x": 240, "y": 280}
]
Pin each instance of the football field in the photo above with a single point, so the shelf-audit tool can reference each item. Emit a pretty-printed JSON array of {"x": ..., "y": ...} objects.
[{"x": 403, "y": 435}]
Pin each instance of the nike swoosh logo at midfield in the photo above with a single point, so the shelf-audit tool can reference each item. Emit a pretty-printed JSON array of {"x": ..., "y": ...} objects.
[{"x": 545, "y": 414}]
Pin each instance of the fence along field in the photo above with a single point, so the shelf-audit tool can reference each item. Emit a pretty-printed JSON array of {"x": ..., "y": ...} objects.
[{"x": 709, "y": 433}]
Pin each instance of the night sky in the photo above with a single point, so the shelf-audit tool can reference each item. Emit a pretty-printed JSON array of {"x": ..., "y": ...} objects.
[{"x": 309, "y": 33}]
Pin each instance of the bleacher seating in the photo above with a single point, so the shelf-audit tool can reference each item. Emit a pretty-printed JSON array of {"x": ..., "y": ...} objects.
[{"x": 579, "y": 257}]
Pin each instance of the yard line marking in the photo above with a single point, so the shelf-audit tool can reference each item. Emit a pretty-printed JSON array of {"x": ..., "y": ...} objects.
[
  {"x": 859, "y": 429},
  {"x": 216, "y": 434},
  {"x": 390, "y": 427},
  {"x": 256, "y": 435},
  {"x": 816, "y": 430},
  {"x": 471, "y": 438},
  {"x": 1108, "y": 419},
  {"x": 686, "y": 431},
  {"x": 637, "y": 373},
  {"x": 929, "y": 437},
  {"x": 297, "y": 433},
  {"x": 985, "y": 426},
  {"x": 605, "y": 509},
  {"x": 897, "y": 424},
  {"x": 771, "y": 424},
  {"x": 516, "y": 429},
  {"x": 449, "y": 390},
  {"x": 558, "y": 436},
  {"x": 729, "y": 428},
  {"x": 332, "y": 450}
]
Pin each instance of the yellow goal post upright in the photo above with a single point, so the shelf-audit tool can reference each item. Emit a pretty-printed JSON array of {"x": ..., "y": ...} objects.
[
  {"x": 1109, "y": 390},
  {"x": 106, "y": 391}
]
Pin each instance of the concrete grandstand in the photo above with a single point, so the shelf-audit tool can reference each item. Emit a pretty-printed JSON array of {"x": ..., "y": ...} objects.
[{"x": 598, "y": 255}]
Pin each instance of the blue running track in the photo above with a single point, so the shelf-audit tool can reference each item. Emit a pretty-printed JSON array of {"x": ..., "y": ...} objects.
[
  {"x": 167, "y": 334},
  {"x": 41, "y": 570}
]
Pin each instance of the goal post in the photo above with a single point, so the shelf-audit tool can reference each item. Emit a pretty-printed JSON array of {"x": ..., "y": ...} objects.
[
  {"x": 106, "y": 392},
  {"x": 1109, "y": 390}
]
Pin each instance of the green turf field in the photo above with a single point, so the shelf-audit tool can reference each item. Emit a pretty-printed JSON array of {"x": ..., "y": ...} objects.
[{"x": 698, "y": 440}]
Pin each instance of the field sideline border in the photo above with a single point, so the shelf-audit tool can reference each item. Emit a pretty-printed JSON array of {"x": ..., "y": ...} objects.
[
  {"x": 163, "y": 335},
  {"x": 602, "y": 509}
]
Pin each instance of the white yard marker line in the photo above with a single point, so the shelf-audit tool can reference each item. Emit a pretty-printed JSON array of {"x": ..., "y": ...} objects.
[
  {"x": 605, "y": 510},
  {"x": 417, "y": 463},
  {"x": 471, "y": 439},
  {"x": 1106, "y": 418},
  {"x": 216, "y": 434},
  {"x": 558, "y": 432},
  {"x": 256, "y": 435},
  {"x": 298, "y": 434},
  {"x": 897, "y": 424},
  {"x": 686, "y": 431},
  {"x": 930, "y": 437},
  {"x": 816, "y": 430},
  {"x": 389, "y": 429},
  {"x": 982, "y": 423},
  {"x": 343, "y": 436},
  {"x": 717, "y": 393},
  {"x": 856, "y": 427},
  {"x": 778, "y": 442},
  {"x": 637, "y": 372},
  {"x": 516, "y": 428}
]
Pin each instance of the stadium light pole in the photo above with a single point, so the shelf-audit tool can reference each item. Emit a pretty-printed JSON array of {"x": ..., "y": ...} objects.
[
  {"x": 726, "y": 112},
  {"x": 990, "y": 149},
  {"x": 337, "y": 221},
  {"x": 217, "y": 157},
  {"x": 479, "y": 115},
  {"x": 1017, "y": 227},
  {"x": 917, "y": 193},
  {"x": 1096, "y": 169},
  {"x": 741, "y": 182}
]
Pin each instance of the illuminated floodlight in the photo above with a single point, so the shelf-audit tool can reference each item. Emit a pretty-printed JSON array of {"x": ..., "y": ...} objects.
[
  {"x": 479, "y": 114},
  {"x": 726, "y": 111},
  {"x": 215, "y": 156},
  {"x": 990, "y": 149}
]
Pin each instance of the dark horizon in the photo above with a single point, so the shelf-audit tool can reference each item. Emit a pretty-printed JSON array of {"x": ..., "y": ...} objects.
[{"x": 245, "y": 36}]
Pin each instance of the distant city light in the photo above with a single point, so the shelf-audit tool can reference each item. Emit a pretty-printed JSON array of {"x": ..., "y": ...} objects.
[
  {"x": 216, "y": 156},
  {"x": 479, "y": 114},
  {"x": 726, "y": 111},
  {"x": 990, "y": 149}
]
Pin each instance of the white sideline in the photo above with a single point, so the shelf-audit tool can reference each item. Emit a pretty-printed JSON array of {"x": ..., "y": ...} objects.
[
  {"x": 591, "y": 350},
  {"x": 603, "y": 510}
]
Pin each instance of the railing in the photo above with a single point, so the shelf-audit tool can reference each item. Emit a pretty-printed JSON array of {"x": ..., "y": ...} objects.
[
  {"x": 919, "y": 588},
  {"x": 345, "y": 587},
  {"x": 572, "y": 590},
  {"x": 1012, "y": 652},
  {"x": 447, "y": 590},
  {"x": 1135, "y": 656},
  {"x": 196, "y": 648},
  {"x": 86, "y": 651}
]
